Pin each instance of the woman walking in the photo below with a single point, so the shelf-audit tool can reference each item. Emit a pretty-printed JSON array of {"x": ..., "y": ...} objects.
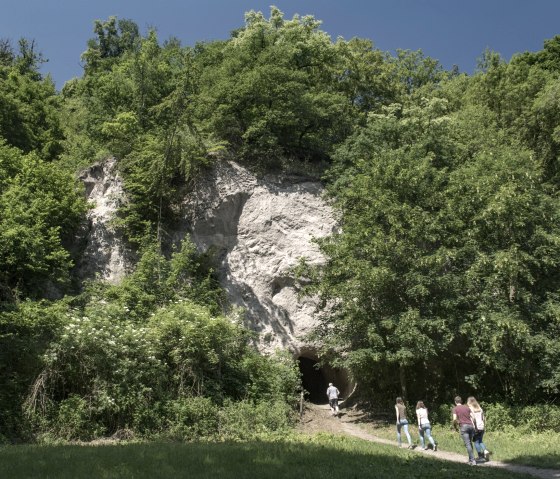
[
  {"x": 479, "y": 421},
  {"x": 424, "y": 427},
  {"x": 402, "y": 422}
]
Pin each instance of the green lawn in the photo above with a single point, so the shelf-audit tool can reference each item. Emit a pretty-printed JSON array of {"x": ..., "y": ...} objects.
[
  {"x": 301, "y": 457},
  {"x": 534, "y": 449}
]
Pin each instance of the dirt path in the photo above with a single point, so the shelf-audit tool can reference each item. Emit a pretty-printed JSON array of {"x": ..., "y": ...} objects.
[{"x": 317, "y": 418}]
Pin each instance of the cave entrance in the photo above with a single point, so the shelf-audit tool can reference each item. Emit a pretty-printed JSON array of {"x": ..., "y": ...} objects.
[{"x": 313, "y": 380}]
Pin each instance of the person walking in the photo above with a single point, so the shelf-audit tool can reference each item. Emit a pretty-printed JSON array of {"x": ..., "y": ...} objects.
[
  {"x": 462, "y": 422},
  {"x": 479, "y": 422},
  {"x": 402, "y": 422},
  {"x": 424, "y": 427},
  {"x": 332, "y": 394}
]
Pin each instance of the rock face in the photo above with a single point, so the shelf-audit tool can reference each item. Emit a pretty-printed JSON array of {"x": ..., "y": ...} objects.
[
  {"x": 258, "y": 227},
  {"x": 104, "y": 253}
]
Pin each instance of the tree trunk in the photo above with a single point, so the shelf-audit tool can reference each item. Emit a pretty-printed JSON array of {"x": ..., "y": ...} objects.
[{"x": 402, "y": 378}]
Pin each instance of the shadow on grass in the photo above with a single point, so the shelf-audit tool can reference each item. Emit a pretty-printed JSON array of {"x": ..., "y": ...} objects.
[
  {"x": 321, "y": 457},
  {"x": 545, "y": 461}
]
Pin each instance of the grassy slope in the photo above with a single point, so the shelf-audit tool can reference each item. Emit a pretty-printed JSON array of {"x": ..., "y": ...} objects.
[
  {"x": 535, "y": 449},
  {"x": 302, "y": 457}
]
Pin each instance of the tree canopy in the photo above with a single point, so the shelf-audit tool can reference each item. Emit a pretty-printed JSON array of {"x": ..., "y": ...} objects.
[{"x": 443, "y": 275}]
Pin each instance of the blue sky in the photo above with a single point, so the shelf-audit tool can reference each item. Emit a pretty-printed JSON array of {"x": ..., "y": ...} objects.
[{"x": 453, "y": 31}]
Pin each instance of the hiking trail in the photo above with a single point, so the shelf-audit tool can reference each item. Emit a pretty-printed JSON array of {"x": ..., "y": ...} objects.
[{"x": 318, "y": 418}]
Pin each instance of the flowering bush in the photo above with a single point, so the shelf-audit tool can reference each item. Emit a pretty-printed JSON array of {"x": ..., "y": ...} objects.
[{"x": 170, "y": 374}]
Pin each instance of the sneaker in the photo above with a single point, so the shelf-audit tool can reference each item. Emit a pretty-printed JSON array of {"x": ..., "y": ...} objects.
[
  {"x": 411, "y": 446},
  {"x": 472, "y": 463},
  {"x": 435, "y": 447}
]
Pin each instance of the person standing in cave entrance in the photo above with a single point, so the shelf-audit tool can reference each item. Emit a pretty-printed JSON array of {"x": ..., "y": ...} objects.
[{"x": 332, "y": 394}]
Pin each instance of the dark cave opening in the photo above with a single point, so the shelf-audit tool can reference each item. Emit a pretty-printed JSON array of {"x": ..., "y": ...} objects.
[{"x": 313, "y": 380}]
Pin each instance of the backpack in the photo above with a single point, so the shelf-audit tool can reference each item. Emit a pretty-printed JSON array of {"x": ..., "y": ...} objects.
[{"x": 478, "y": 419}]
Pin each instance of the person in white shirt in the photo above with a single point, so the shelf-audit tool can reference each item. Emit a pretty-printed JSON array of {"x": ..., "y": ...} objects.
[
  {"x": 332, "y": 394},
  {"x": 424, "y": 427}
]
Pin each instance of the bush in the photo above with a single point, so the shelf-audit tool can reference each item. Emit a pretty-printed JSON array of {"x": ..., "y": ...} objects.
[
  {"x": 171, "y": 375},
  {"x": 541, "y": 417},
  {"x": 25, "y": 334},
  {"x": 535, "y": 418},
  {"x": 192, "y": 418},
  {"x": 74, "y": 420},
  {"x": 441, "y": 415},
  {"x": 498, "y": 416},
  {"x": 245, "y": 420}
]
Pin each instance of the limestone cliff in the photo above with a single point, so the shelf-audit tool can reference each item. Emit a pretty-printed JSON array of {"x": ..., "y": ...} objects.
[
  {"x": 104, "y": 254},
  {"x": 258, "y": 227}
]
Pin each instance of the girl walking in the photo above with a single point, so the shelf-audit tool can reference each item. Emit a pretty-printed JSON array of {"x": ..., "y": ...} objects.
[
  {"x": 402, "y": 422},
  {"x": 424, "y": 427},
  {"x": 479, "y": 420}
]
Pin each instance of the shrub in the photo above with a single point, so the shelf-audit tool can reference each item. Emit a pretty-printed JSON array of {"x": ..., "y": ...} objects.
[
  {"x": 105, "y": 373},
  {"x": 498, "y": 416},
  {"x": 540, "y": 417},
  {"x": 441, "y": 414},
  {"x": 74, "y": 420},
  {"x": 245, "y": 420},
  {"x": 192, "y": 418}
]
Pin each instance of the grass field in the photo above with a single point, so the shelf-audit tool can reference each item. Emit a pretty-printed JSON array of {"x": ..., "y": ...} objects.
[
  {"x": 300, "y": 457},
  {"x": 531, "y": 449}
]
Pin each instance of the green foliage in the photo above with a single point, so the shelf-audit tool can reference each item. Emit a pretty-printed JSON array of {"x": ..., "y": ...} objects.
[
  {"x": 535, "y": 418},
  {"x": 442, "y": 278},
  {"x": 447, "y": 256},
  {"x": 105, "y": 373},
  {"x": 25, "y": 334},
  {"x": 192, "y": 418},
  {"x": 135, "y": 102},
  {"x": 114, "y": 38},
  {"x": 40, "y": 208},
  {"x": 29, "y": 118},
  {"x": 248, "y": 420},
  {"x": 143, "y": 357},
  {"x": 157, "y": 281},
  {"x": 272, "y": 90}
]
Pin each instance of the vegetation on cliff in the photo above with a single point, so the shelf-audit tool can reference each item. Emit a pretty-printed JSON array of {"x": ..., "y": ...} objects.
[{"x": 444, "y": 276}]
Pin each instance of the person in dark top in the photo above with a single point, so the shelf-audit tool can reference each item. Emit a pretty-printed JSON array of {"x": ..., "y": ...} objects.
[
  {"x": 402, "y": 422},
  {"x": 462, "y": 421}
]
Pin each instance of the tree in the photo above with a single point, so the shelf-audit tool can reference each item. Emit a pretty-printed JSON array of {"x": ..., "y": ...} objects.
[
  {"x": 29, "y": 117},
  {"x": 272, "y": 91},
  {"x": 446, "y": 256},
  {"x": 40, "y": 208},
  {"x": 114, "y": 38}
]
